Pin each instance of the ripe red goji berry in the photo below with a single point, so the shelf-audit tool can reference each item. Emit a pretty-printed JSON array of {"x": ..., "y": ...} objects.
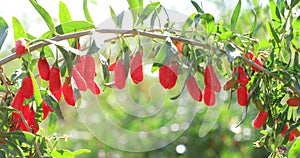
[
  {"x": 18, "y": 101},
  {"x": 120, "y": 75},
  {"x": 251, "y": 56},
  {"x": 29, "y": 116},
  {"x": 27, "y": 87},
  {"x": 193, "y": 89},
  {"x": 44, "y": 68},
  {"x": 229, "y": 84},
  {"x": 136, "y": 69},
  {"x": 242, "y": 95},
  {"x": 80, "y": 65},
  {"x": 211, "y": 80},
  {"x": 68, "y": 94},
  {"x": 57, "y": 95},
  {"x": 209, "y": 97},
  {"x": 46, "y": 109},
  {"x": 168, "y": 75},
  {"x": 79, "y": 80},
  {"x": 260, "y": 119},
  {"x": 111, "y": 67},
  {"x": 89, "y": 69},
  {"x": 291, "y": 134},
  {"x": 20, "y": 46},
  {"x": 54, "y": 79},
  {"x": 293, "y": 101},
  {"x": 94, "y": 87},
  {"x": 243, "y": 78}
]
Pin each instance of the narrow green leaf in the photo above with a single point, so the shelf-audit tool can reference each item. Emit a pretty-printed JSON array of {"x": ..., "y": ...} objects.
[
  {"x": 66, "y": 47},
  {"x": 147, "y": 11},
  {"x": 86, "y": 12},
  {"x": 154, "y": 16},
  {"x": 64, "y": 13},
  {"x": 296, "y": 23},
  {"x": 226, "y": 35},
  {"x": 52, "y": 122},
  {"x": 113, "y": 16},
  {"x": 295, "y": 149},
  {"x": 272, "y": 32},
  {"x": 19, "y": 31},
  {"x": 235, "y": 15},
  {"x": 294, "y": 3},
  {"x": 208, "y": 23},
  {"x": 93, "y": 48},
  {"x": 120, "y": 19},
  {"x": 52, "y": 102},
  {"x": 74, "y": 26},
  {"x": 37, "y": 94},
  {"x": 67, "y": 59},
  {"x": 187, "y": 24},
  {"x": 253, "y": 24},
  {"x": 198, "y": 8},
  {"x": 3, "y": 31},
  {"x": 45, "y": 15},
  {"x": 62, "y": 153},
  {"x": 23, "y": 137},
  {"x": 17, "y": 151},
  {"x": 81, "y": 151},
  {"x": 104, "y": 64},
  {"x": 276, "y": 18},
  {"x": 134, "y": 6}
]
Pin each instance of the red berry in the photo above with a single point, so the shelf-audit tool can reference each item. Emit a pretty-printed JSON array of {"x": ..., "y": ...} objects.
[
  {"x": 80, "y": 65},
  {"x": 57, "y": 95},
  {"x": 136, "y": 68},
  {"x": 251, "y": 56},
  {"x": 242, "y": 95},
  {"x": 293, "y": 102},
  {"x": 243, "y": 78},
  {"x": 89, "y": 69},
  {"x": 21, "y": 46},
  {"x": 18, "y": 101},
  {"x": 68, "y": 94},
  {"x": 111, "y": 67},
  {"x": 27, "y": 87},
  {"x": 260, "y": 119},
  {"x": 54, "y": 79},
  {"x": 194, "y": 89},
  {"x": 120, "y": 75},
  {"x": 79, "y": 80},
  {"x": 46, "y": 109},
  {"x": 94, "y": 87},
  {"x": 209, "y": 97},
  {"x": 229, "y": 84},
  {"x": 168, "y": 75},
  {"x": 44, "y": 68},
  {"x": 291, "y": 134},
  {"x": 210, "y": 79},
  {"x": 29, "y": 116},
  {"x": 179, "y": 46}
]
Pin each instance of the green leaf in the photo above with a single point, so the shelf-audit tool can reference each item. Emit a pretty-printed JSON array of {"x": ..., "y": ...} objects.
[
  {"x": 296, "y": 23},
  {"x": 235, "y": 15},
  {"x": 294, "y": 3},
  {"x": 93, "y": 48},
  {"x": 198, "y": 8},
  {"x": 23, "y": 137},
  {"x": 67, "y": 59},
  {"x": 113, "y": 16},
  {"x": 147, "y": 11},
  {"x": 52, "y": 102},
  {"x": 208, "y": 23},
  {"x": 16, "y": 148},
  {"x": 81, "y": 151},
  {"x": 74, "y": 26},
  {"x": 3, "y": 31},
  {"x": 62, "y": 153},
  {"x": 45, "y": 15},
  {"x": 276, "y": 18},
  {"x": 37, "y": 94},
  {"x": 64, "y": 14},
  {"x": 253, "y": 24},
  {"x": 155, "y": 15},
  {"x": 19, "y": 31},
  {"x": 52, "y": 122},
  {"x": 226, "y": 35},
  {"x": 187, "y": 24},
  {"x": 104, "y": 64},
  {"x": 295, "y": 149},
  {"x": 135, "y": 8},
  {"x": 66, "y": 47},
  {"x": 86, "y": 12},
  {"x": 272, "y": 32}
]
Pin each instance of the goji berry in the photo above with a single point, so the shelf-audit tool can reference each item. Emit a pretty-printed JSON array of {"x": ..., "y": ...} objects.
[
  {"x": 18, "y": 101},
  {"x": 210, "y": 79},
  {"x": 293, "y": 101},
  {"x": 69, "y": 94},
  {"x": 168, "y": 75},
  {"x": 94, "y": 87},
  {"x": 243, "y": 78},
  {"x": 57, "y": 95},
  {"x": 136, "y": 68},
  {"x": 44, "y": 68},
  {"x": 20, "y": 46},
  {"x": 179, "y": 46},
  {"x": 291, "y": 134},
  {"x": 120, "y": 75},
  {"x": 89, "y": 69},
  {"x": 193, "y": 89},
  {"x": 29, "y": 116},
  {"x": 209, "y": 97},
  {"x": 251, "y": 56},
  {"x": 242, "y": 95},
  {"x": 27, "y": 87},
  {"x": 80, "y": 65},
  {"x": 54, "y": 79},
  {"x": 229, "y": 84},
  {"x": 111, "y": 67},
  {"x": 260, "y": 119},
  {"x": 79, "y": 80},
  {"x": 46, "y": 109}
]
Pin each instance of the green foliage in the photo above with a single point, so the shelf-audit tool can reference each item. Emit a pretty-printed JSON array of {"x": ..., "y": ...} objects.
[
  {"x": 19, "y": 31},
  {"x": 3, "y": 31}
]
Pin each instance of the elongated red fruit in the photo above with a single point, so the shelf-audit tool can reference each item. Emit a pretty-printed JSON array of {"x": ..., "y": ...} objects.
[
  {"x": 193, "y": 89},
  {"x": 27, "y": 87},
  {"x": 18, "y": 101},
  {"x": 89, "y": 69},
  {"x": 111, "y": 67},
  {"x": 57, "y": 95},
  {"x": 69, "y": 95},
  {"x": 242, "y": 95},
  {"x": 291, "y": 134},
  {"x": 44, "y": 68},
  {"x": 20, "y": 46},
  {"x": 79, "y": 80},
  {"x": 229, "y": 84},
  {"x": 54, "y": 79},
  {"x": 168, "y": 75},
  {"x": 120, "y": 75},
  {"x": 293, "y": 102},
  {"x": 94, "y": 87},
  {"x": 136, "y": 69},
  {"x": 80, "y": 65},
  {"x": 243, "y": 78},
  {"x": 260, "y": 119},
  {"x": 209, "y": 97},
  {"x": 251, "y": 56},
  {"x": 210, "y": 79},
  {"x": 46, "y": 109}
]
